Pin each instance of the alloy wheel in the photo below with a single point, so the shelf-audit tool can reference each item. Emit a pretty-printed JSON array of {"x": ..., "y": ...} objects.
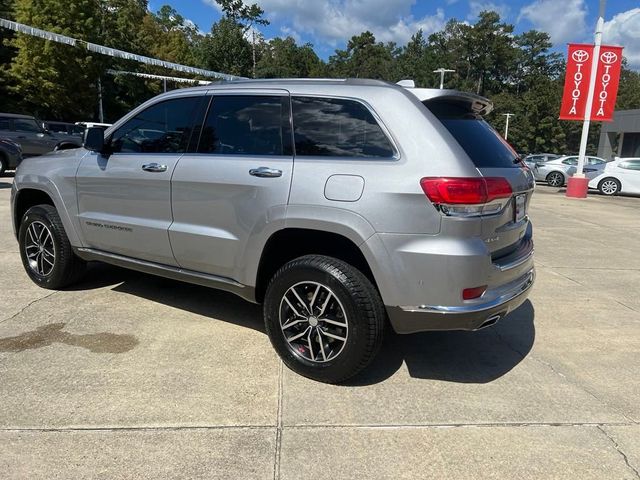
[
  {"x": 313, "y": 321},
  {"x": 609, "y": 187},
  {"x": 39, "y": 249},
  {"x": 555, "y": 179}
]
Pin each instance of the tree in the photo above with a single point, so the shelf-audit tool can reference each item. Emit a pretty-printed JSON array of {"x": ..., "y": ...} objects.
[
  {"x": 363, "y": 58},
  {"x": 283, "y": 58},
  {"x": 226, "y": 49},
  {"x": 52, "y": 78},
  {"x": 248, "y": 16},
  {"x": 416, "y": 61},
  {"x": 7, "y": 52}
]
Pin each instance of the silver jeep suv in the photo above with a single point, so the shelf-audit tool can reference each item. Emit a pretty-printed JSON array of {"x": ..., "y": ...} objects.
[{"x": 338, "y": 204}]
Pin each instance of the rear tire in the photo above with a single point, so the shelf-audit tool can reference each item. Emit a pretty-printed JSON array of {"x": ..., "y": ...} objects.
[
  {"x": 609, "y": 186},
  {"x": 333, "y": 318},
  {"x": 4, "y": 165},
  {"x": 45, "y": 250},
  {"x": 555, "y": 179}
]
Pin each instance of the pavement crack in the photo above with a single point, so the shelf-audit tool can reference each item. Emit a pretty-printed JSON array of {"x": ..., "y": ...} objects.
[
  {"x": 624, "y": 455},
  {"x": 33, "y": 302},
  {"x": 278, "y": 449},
  {"x": 581, "y": 387}
]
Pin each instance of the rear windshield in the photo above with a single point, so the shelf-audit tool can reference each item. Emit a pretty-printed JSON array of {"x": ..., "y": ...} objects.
[{"x": 485, "y": 146}]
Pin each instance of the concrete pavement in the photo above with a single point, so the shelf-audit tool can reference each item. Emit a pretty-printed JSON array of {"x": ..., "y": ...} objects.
[{"x": 132, "y": 376}]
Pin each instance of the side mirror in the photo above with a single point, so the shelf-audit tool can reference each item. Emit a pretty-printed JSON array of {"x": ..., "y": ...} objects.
[{"x": 94, "y": 139}]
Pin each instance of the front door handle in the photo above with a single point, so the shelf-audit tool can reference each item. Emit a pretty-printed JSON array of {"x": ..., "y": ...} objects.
[
  {"x": 154, "y": 167},
  {"x": 265, "y": 172}
]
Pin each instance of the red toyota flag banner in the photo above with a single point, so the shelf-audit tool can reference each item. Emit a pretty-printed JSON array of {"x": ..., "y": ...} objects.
[
  {"x": 576, "y": 82},
  {"x": 607, "y": 79}
]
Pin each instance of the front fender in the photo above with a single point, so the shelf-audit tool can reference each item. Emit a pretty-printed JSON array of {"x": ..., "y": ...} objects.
[{"x": 55, "y": 175}]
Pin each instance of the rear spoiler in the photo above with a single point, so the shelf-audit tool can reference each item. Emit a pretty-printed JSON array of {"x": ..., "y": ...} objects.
[{"x": 475, "y": 103}]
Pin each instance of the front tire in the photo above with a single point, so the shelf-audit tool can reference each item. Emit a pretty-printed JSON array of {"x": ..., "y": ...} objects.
[
  {"x": 555, "y": 179},
  {"x": 45, "y": 250},
  {"x": 324, "y": 318},
  {"x": 609, "y": 186}
]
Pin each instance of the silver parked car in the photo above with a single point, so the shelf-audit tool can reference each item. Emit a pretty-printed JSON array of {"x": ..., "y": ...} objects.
[
  {"x": 556, "y": 172},
  {"x": 337, "y": 204},
  {"x": 31, "y": 135},
  {"x": 534, "y": 158}
]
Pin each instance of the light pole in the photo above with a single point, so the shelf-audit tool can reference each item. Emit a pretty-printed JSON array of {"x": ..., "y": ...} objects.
[
  {"x": 442, "y": 71},
  {"x": 506, "y": 125}
]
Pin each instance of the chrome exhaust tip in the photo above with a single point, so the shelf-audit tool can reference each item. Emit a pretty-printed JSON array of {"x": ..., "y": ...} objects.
[{"x": 489, "y": 322}]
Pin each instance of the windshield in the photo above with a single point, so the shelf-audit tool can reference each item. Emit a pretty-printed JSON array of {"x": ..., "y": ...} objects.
[{"x": 485, "y": 146}]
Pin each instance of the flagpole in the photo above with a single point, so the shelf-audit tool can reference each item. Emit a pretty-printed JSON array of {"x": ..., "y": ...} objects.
[{"x": 579, "y": 175}]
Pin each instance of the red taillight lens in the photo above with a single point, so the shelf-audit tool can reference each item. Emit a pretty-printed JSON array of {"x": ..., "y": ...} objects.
[
  {"x": 465, "y": 191},
  {"x": 475, "y": 292}
]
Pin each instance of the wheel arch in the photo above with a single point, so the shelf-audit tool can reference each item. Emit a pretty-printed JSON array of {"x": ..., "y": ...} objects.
[
  {"x": 32, "y": 195},
  {"x": 293, "y": 242}
]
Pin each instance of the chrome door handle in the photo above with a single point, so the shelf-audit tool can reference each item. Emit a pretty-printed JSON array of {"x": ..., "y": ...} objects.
[
  {"x": 265, "y": 172},
  {"x": 154, "y": 167}
]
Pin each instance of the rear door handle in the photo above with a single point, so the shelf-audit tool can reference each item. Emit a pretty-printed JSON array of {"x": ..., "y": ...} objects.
[
  {"x": 265, "y": 172},
  {"x": 154, "y": 167}
]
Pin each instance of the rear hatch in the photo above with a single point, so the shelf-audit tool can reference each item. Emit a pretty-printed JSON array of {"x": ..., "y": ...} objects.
[{"x": 505, "y": 223}]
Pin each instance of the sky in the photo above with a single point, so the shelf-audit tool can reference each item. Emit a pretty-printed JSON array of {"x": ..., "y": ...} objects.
[{"x": 329, "y": 24}]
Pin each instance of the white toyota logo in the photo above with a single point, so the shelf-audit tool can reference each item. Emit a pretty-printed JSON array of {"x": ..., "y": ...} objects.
[
  {"x": 609, "y": 58},
  {"x": 580, "y": 56}
]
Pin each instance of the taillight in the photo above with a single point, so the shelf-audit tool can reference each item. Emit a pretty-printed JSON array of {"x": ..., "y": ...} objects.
[
  {"x": 450, "y": 193},
  {"x": 465, "y": 191}
]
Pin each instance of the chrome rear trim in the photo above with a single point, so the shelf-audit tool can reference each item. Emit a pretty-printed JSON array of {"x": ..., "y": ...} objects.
[{"x": 519, "y": 288}]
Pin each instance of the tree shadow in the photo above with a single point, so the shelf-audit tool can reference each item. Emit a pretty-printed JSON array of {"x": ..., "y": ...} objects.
[
  {"x": 456, "y": 356},
  {"x": 47, "y": 335}
]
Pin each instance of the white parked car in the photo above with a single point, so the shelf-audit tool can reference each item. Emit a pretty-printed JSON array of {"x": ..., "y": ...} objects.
[
  {"x": 556, "y": 172},
  {"x": 621, "y": 175}
]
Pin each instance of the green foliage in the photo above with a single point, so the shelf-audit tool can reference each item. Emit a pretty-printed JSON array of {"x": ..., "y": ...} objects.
[
  {"x": 518, "y": 72},
  {"x": 283, "y": 58},
  {"x": 226, "y": 49},
  {"x": 49, "y": 79},
  {"x": 363, "y": 58}
]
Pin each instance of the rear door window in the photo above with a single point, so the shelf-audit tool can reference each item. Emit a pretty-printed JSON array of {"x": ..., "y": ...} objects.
[
  {"x": 331, "y": 127},
  {"x": 247, "y": 125},
  {"x": 485, "y": 146},
  {"x": 5, "y": 123}
]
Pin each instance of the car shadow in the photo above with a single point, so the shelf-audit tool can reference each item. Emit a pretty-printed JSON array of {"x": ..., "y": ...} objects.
[
  {"x": 207, "y": 302},
  {"x": 454, "y": 356}
]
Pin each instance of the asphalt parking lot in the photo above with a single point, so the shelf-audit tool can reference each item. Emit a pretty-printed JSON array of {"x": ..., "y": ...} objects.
[{"x": 132, "y": 376}]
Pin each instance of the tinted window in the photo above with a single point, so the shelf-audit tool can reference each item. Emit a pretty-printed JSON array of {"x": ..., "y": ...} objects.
[
  {"x": 162, "y": 128},
  {"x": 337, "y": 128},
  {"x": 570, "y": 161},
  {"x": 595, "y": 161},
  {"x": 26, "y": 125},
  {"x": 630, "y": 164},
  {"x": 247, "y": 125},
  {"x": 485, "y": 146},
  {"x": 5, "y": 124}
]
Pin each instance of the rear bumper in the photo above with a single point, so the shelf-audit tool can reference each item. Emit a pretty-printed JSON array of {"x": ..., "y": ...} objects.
[{"x": 411, "y": 319}]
